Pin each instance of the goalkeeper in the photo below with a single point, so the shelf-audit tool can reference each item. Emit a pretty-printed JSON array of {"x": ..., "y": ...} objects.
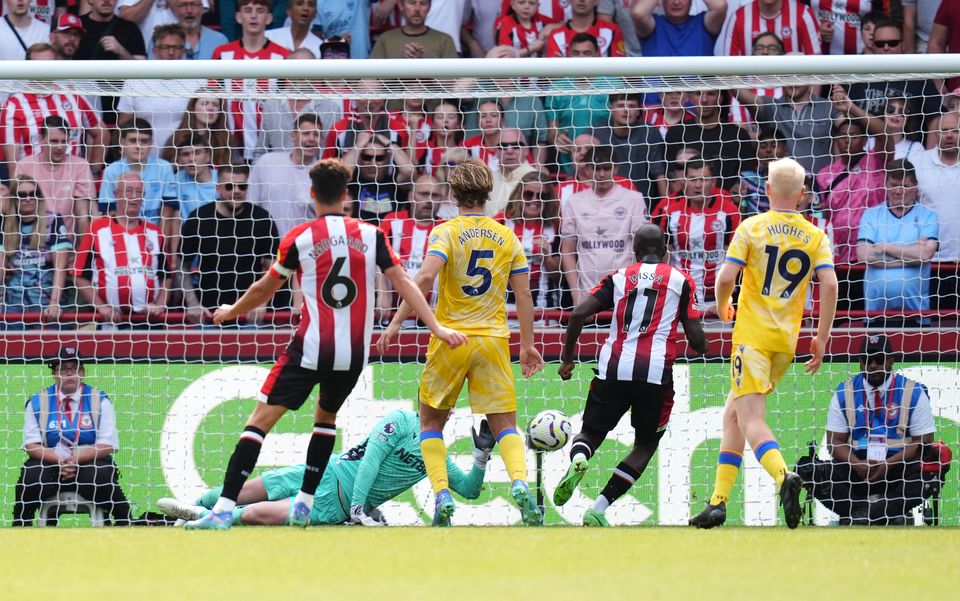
[{"x": 383, "y": 466}]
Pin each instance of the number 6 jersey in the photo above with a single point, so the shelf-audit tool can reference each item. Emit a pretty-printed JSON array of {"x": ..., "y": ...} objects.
[
  {"x": 779, "y": 252},
  {"x": 480, "y": 255},
  {"x": 335, "y": 259}
]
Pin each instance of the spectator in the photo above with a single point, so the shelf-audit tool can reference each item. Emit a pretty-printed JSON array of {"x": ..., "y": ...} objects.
[
  {"x": 938, "y": 176},
  {"x": 753, "y": 182},
  {"x": 65, "y": 37},
  {"x": 675, "y": 174},
  {"x": 229, "y": 243},
  {"x": 414, "y": 39},
  {"x": 33, "y": 254},
  {"x": 850, "y": 185},
  {"x": 919, "y": 16},
  {"x": 159, "y": 194},
  {"x": 768, "y": 15},
  {"x": 699, "y": 225},
  {"x": 618, "y": 11},
  {"x": 75, "y": 455},
  {"x": 348, "y": 20},
  {"x": 446, "y": 133},
  {"x": 584, "y": 20},
  {"x": 712, "y": 135},
  {"x": 945, "y": 33},
  {"x": 523, "y": 28},
  {"x": 677, "y": 32},
  {"x": 65, "y": 180},
  {"x": 878, "y": 424},
  {"x": 868, "y": 24},
  {"x": 23, "y": 115},
  {"x": 109, "y": 37},
  {"x": 490, "y": 121},
  {"x": 369, "y": 115},
  {"x": 199, "y": 40},
  {"x": 149, "y": 14},
  {"x": 840, "y": 25},
  {"x": 570, "y": 116},
  {"x": 120, "y": 267},
  {"x": 596, "y": 231},
  {"x": 334, "y": 48},
  {"x": 446, "y": 16},
  {"x": 279, "y": 115},
  {"x": 20, "y": 31},
  {"x": 204, "y": 116},
  {"x": 253, "y": 17},
  {"x": 139, "y": 99},
  {"x": 872, "y": 96},
  {"x": 414, "y": 113},
  {"x": 804, "y": 119},
  {"x": 765, "y": 44},
  {"x": 196, "y": 176},
  {"x": 297, "y": 35},
  {"x": 638, "y": 149},
  {"x": 480, "y": 19},
  {"x": 512, "y": 167},
  {"x": 381, "y": 172},
  {"x": 897, "y": 240},
  {"x": 280, "y": 182},
  {"x": 534, "y": 216},
  {"x": 669, "y": 112}
]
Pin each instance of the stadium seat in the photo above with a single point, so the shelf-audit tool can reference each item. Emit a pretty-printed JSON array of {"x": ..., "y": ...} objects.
[{"x": 69, "y": 502}]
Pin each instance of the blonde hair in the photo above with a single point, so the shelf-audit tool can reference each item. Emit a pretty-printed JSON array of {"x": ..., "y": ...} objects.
[
  {"x": 471, "y": 183},
  {"x": 549, "y": 209},
  {"x": 12, "y": 221},
  {"x": 785, "y": 182}
]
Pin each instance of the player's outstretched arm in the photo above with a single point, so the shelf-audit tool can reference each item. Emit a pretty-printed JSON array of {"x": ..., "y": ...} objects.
[
  {"x": 829, "y": 290},
  {"x": 530, "y": 360},
  {"x": 723, "y": 290},
  {"x": 412, "y": 293},
  {"x": 469, "y": 485},
  {"x": 259, "y": 293},
  {"x": 587, "y": 308}
]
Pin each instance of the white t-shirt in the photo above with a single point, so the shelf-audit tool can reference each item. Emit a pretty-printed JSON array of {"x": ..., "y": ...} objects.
[
  {"x": 938, "y": 185},
  {"x": 163, "y": 113},
  {"x": 160, "y": 14},
  {"x": 284, "y": 37},
  {"x": 10, "y": 47},
  {"x": 447, "y": 16},
  {"x": 282, "y": 189},
  {"x": 921, "y": 422}
]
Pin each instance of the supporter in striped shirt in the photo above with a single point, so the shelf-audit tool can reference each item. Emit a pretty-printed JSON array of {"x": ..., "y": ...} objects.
[
  {"x": 484, "y": 145},
  {"x": 794, "y": 22},
  {"x": 369, "y": 115},
  {"x": 584, "y": 19},
  {"x": 121, "y": 267},
  {"x": 446, "y": 133},
  {"x": 840, "y": 23},
  {"x": 552, "y": 11},
  {"x": 522, "y": 27},
  {"x": 668, "y": 113}
]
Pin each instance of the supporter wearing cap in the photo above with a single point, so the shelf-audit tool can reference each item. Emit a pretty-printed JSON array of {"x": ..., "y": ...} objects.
[
  {"x": 878, "y": 424},
  {"x": 70, "y": 435},
  {"x": 65, "y": 37},
  {"x": 334, "y": 47}
]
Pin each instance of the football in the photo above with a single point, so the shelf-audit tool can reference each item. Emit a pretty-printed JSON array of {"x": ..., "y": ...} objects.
[{"x": 549, "y": 430}]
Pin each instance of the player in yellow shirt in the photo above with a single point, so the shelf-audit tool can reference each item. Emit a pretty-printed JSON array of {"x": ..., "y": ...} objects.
[
  {"x": 778, "y": 252},
  {"x": 476, "y": 258}
]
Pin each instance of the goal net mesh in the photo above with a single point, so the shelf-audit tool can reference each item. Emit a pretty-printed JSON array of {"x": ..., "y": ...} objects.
[{"x": 220, "y": 175}]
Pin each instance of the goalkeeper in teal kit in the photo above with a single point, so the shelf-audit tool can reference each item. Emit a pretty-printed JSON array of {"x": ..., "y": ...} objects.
[{"x": 383, "y": 466}]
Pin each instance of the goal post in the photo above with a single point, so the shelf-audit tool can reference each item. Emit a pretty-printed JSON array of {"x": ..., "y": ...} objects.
[{"x": 181, "y": 387}]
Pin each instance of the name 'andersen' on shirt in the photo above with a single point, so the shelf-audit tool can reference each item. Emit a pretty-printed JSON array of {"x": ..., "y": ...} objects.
[{"x": 480, "y": 232}]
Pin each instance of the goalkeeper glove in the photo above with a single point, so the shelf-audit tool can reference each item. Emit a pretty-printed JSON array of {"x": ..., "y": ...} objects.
[
  {"x": 483, "y": 442},
  {"x": 360, "y": 517}
]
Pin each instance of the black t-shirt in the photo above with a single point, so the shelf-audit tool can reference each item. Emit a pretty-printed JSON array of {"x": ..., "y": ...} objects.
[
  {"x": 227, "y": 251},
  {"x": 126, "y": 32},
  {"x": 375, "y": 200},
  {"x": 872, "y": 96},
  {"x": 726, "y": 144}
]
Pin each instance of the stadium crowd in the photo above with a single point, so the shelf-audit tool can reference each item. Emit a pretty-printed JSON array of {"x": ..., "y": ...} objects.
[{"x": 137, "y": 207}]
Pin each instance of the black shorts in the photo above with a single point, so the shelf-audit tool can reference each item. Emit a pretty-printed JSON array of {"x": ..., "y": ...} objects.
[
  {"x": 649, "y": 404},
  {"x": 290, "y": 385}
]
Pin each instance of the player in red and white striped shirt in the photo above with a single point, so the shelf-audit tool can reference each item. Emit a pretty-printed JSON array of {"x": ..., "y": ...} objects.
[
  {"x": 253, "y": 17},
  {"x": 649, "y": 299},
  {"x": 23, "y": 116},
  {"x": 792, "y": 21},
  {"x": 335, "y": 259},
  {"x": 120, "y": 266},
  {"x": 841, "y": 18}
]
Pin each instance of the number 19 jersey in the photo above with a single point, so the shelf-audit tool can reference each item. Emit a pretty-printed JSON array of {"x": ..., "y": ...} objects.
[
  {"x": 779, "y": 252},
  {"x": 480, "y": 255}
]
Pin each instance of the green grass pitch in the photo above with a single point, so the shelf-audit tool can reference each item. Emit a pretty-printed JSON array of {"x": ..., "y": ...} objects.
[{"x": 642, "y": 563}]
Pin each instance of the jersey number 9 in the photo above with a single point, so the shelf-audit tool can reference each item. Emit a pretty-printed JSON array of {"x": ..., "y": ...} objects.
[{"x": 780, "y": 264}]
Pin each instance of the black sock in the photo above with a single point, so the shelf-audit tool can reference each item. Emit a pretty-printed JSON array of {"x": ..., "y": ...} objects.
[
  {"x": 582, "y": 445},
  {"x": 620, "y": 482},
  {"x": 242, "y": 462},
  {"x": 318, "y": 454}
]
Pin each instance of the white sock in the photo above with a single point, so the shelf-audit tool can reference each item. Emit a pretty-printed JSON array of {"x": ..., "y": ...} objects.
[
  {"x": 575, "y": 455},
  {"x": 601, "y": 504},
  {"x": 304, "y": 498},
  {"x": 224, "y": 504}
]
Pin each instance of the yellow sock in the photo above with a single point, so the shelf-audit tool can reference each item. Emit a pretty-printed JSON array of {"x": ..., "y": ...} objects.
[
  {"x": 434, "y": 453},
  {"x": 728, "y": 466},
  {"x": 769, "y": 456},
  {"x": 513, "y": 454}
]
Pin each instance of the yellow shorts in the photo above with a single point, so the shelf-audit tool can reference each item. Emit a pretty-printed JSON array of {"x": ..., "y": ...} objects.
[
  {"x": 484, "y": 363},
  {"x": 756, "y": 371}
]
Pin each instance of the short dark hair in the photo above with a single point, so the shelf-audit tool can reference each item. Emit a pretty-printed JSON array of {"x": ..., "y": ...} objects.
[
  {"x": 849, "y": 123},
  {"x": 621, "y": 97},
  {"x": 582, "y": 38},
  {"x": 901, "y": 169},
  {"x": 234, "y": 169},
  {"x": 137, "y": 125},
  {"x": 769, "y": 132},
  {"x": 872, "y": 18},
  {"x": 308, "y": 118},
  {"x": 696, "y": 165},
  {"x": 53, "y": 122},
  {"x": 888, "y": 22},
  {"x": 162, "y": 31},
  {"x": 764, "y": 34},
  {"x": 601, "y": 154},
  {"x": 329, "y": 179}
]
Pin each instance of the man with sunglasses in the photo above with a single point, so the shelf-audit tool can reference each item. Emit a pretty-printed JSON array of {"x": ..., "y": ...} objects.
[{"x": 226, "y": 244}]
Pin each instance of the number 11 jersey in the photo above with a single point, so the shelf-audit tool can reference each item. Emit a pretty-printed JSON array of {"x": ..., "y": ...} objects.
[
  {"x": 480, "y": 255},
  {"x": 779, "y": 252}
]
